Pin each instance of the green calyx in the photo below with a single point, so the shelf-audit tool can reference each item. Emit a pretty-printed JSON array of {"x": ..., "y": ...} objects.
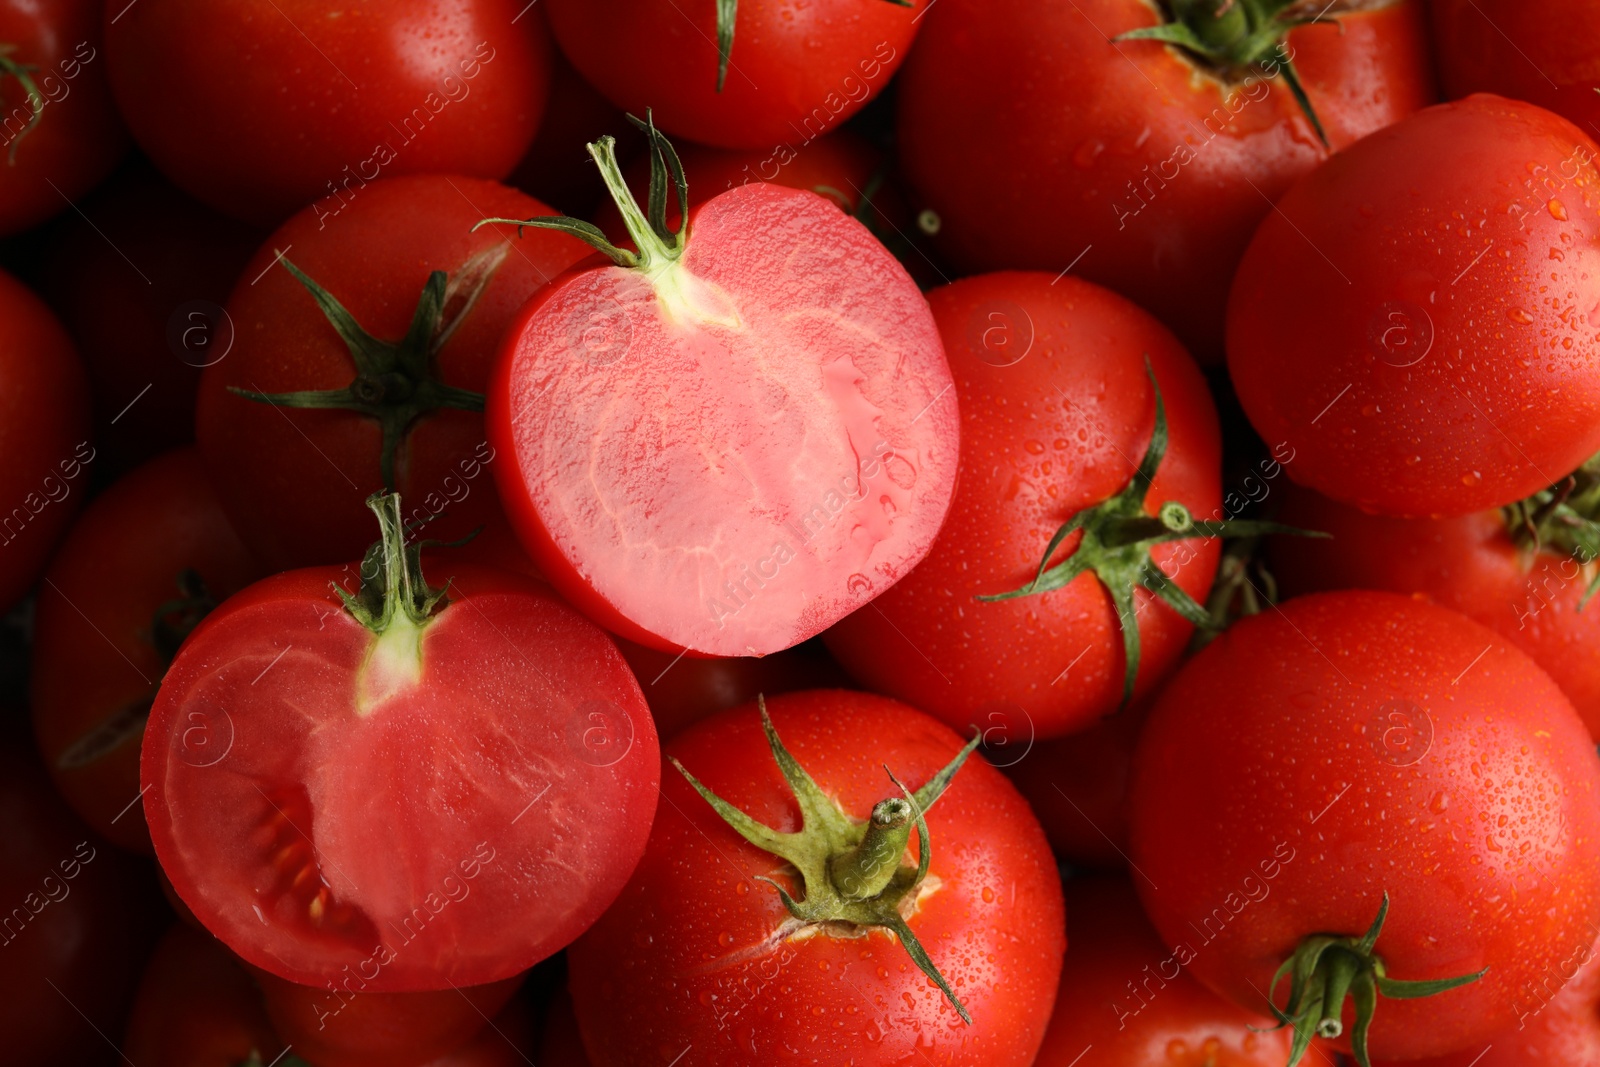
[
  {"x": 727, "y": 14},
  {"x": 851, "y": 872},
  {"x": 1326, "y": 969},
  {"x": 658, "y": 247},
  {"x": 1237, "y": 38},
  {"x": 1564, "y": 517},
  {"x": 397, "y": 382},
  {"x": 1117, "y": 538},
  {"x": 175, "y": 619},
  {"x": 392, "y": 589},
  {"x": 23, "y": 73}
]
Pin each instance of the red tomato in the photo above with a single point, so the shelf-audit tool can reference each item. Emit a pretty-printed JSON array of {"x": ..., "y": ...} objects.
[
  {"x": 730, "y": 441},
  {"x": 1446, "y": 341},
  {"x": 1469, "y": 564},
  {"x": 1542, "y": 51},
  {"x": 1126, "y": 1001},
  {"x": 506, "y": 1041},
  {"x": 1077, "y": 786},
  {"x": 406, "y": 794},
  {"x": 1042, "y": 143},
  {"x": 294, "y": 480},
  {"x": 795, "y": 70},
  {"x": 59, "y": 130},
  {"x": 196, "y": 1007},
  {"x": 150, "y": 557},
  {"x": 342, "y": 1025},
  {"x": 145, "y": 331},
  {"x": 259, "y": 107},
  {"x": 699, "y": 952},
  {"x": 1057, "y": 410},
  {"x": 1373, "y": 747},
  {"x": 44, "y": 436},
  {"x": 73, "y": 931},
  {"x": 1557, "y": 1024}
]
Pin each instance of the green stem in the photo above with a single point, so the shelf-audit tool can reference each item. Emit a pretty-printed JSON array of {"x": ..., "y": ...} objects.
[
  {"x": 868, "y": 869},
  {"x": 23, "y": 73},
  {"x": 392, "y": 588}
]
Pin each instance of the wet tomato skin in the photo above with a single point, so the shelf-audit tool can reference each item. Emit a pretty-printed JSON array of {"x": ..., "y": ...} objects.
[
  {"x": 414, "y": 836},
  {"x": 1542, "y": 51},
  {"x": 715, "y": 976}
]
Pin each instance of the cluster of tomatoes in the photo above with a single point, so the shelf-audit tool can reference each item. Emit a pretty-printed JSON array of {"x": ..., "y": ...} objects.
[{"x": 991, "y": 532}]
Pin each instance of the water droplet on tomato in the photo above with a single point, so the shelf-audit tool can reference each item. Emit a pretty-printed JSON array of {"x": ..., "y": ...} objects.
[
  {"x": 1520, "y": 317},
  {"x": 1439, "y": 802},
  {"x": 1558, "y": 210},
  {"x": 1088, "y": 152}
]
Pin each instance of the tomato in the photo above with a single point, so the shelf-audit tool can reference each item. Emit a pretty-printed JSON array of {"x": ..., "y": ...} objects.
[
  {"x": 1077, "y": 786},
  {"x": 1125, "y": 1000},
  {"x": 794, "y": 72},
  {"x": 294, "y": 478},
  {"x": 73, "y": 929},
  {"x": 701, "y": 951},
  {"x": 1057, "y": 409},
  {"x": 1041, "y": 142},
  {"x": 140, "y": 282},
  {"x": 401, "y": 789},
  {"x": 1557, "y": 1025},
  {"x": 1392, "y": 769},
  {"x": 44, "y": 436},
  {"x": 197, "y": 1007},
  {"x": 342, "y": 1025},
  {"x": 727, "y": 442},
  {"x": 1447, "y": 341},
  {"x": 1542, "y": 51},
  {"x": 148, "y": 559},
  {"x": 1470, "y": 564},
  {"x": 506, "y": 1041},
  {"x": 259, "y": 108},
  {"x": 59, "y": 130}
]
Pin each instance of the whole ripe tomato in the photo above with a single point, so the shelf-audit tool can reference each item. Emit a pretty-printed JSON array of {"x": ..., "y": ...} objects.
[
  {"x": 1446, "y": 341},
  {"x": 791, "y": 72},
  {"x": 1043, "y": 141},
  {"x": 391, "y": 790},
  {"x": 1057, "y": 412},
  {"x": 398, "y": 390},
  {"x": 1392, "y": 768},
  {"x": 372, "y": 90},
  {"x": 44, "y": 436},
  {"x": 1542, "y": 51},
  {"x": 59, "y": 130},
  {"x": 140, "y": 281},
  {"x": 146, "y": 562},
  {"x": 1126, "y": 1001},
  {"x": 703, "y": 950},
  {"x": 1559, "y": 1024},
  {"x": 1472, "y": 564},
  {"x": 727, "y": 441},
  {"x": 351, "y": 1027},
  {"x": 73, "y": 932},
  {"x": 197, "y": 1007}
]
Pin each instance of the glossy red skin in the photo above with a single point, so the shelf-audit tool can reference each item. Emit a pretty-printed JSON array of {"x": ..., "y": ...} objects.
[
  {"x": 1488, "y": 845},
  {"x": 141, "y": 338},
  {"x": 1542, "y": 51},
  {"x": 1051, "y": 664},
  {"x": 387, "y": 844},
  {"x": 685, "y": 957},
  {"x": 1467, "y": 564},
  {"x": 79, "y": 137},
  {"x": 1125, "y": 1002},
  {"x": 1562, "y": 1027},
  {"x": 44, "y": 436},
  {"x": 352, "y": 1028},
  {"x": 1078, "y": 787},
  {"x": 836, "y": 380},
  {"x": 291, "y": 100},
  {"x": 1033, "y": 137},
  {"x": 94, "y": 657},
  {"x": 797, "y": 69},
  {"x": 295, "y": 482},
  {"x": 197, "y": 1007},
  {"x": 85, "y": 933},
  {"x": 1505, "y": 399}
]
